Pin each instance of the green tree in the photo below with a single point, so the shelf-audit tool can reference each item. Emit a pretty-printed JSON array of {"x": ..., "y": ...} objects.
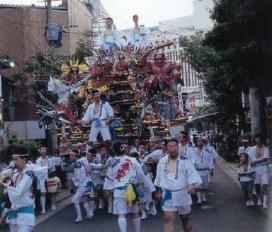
[
  {"x": 31, "y": 145},
  {"x": 83, "y": 49}
]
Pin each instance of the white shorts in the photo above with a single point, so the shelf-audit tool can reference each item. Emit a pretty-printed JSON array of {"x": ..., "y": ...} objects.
[
  {"x": 20, "y": 228},
  {"x": 185, "y": 209},
  {"x": 78, "y": 195},
  {"x": 104, "y": 130},
  {"x": 205, "y": 182},
  {"x": 120, "y": 206},
  {"x": 41, "y": 186},
  {"x": 261, "y": 178}
]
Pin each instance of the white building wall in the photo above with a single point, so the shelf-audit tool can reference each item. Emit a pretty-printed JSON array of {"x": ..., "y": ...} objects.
[
  {"x": 201, "y": 17},
  {"x": 22, "y": 130}
]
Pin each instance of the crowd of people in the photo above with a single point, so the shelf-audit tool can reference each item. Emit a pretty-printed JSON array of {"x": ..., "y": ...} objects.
[{"x": 122, "y": 179}]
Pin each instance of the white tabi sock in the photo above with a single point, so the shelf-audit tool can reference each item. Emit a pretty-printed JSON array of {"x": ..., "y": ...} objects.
[
  {"x": 122, "y": 222},
  {"x": 77, "y": 207},
  {"x": 110, "y": 206},
  {"x": 204, "y": 196},
  {"x": 265, "y": 198},
  {"x": 198, "y": 194},
  {"x": 53, "y": 203},
  {"x": 137, "y": 224},
  {"x": 42, "y": 201},
  {"x": 92, "y": 207},
  {"x": 87, "y": 208}
]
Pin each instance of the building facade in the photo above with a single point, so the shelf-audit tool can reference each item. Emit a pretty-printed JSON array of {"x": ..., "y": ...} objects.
[{"x": 23, "y": 34}]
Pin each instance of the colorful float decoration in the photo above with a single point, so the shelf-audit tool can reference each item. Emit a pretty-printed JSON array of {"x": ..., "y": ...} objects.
[{"x": 143, "y": 88}]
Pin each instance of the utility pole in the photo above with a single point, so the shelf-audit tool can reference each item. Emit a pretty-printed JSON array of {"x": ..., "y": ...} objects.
[
  {"x": 255, "y": 111},
  {"x": 53, "y": 31}
]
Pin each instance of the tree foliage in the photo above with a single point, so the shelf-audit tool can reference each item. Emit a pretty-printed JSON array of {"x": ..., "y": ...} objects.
[
  {"x": 31, "y": 145},
  {"x": 235, "y": 55}
]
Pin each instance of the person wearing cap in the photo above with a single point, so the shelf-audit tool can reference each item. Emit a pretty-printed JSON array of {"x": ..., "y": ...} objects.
[
  {"x": 176, "y": 179},
  {"x": 50, "y": 162},
  {"x": 245, "y": 148},
  {"x": 185, "y": 150},
  {"x": 123, "y": 173},
  {"x": 204, "y": 166},
  {"x": 100, "y": 114},
  {"x": 259, "y": 160},
  {"x": 21, "y": 217}
]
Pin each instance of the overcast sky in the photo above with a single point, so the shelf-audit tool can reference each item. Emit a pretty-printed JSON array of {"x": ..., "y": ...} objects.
[{"x": 150, "y": 11}]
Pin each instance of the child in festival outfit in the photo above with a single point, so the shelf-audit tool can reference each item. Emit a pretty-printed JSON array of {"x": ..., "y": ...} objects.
[{"x": 245, "y": 172}]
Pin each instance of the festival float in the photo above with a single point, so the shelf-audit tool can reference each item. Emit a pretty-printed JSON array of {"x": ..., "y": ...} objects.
[{"x": 142, "y": 86}]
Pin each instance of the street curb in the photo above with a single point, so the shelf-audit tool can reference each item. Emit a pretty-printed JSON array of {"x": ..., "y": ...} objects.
[
  {"x": 61, "y": 197},
  {"x": 229, "y": 169}
]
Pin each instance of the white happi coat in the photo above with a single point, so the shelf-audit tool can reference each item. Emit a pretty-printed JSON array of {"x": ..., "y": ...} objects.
[
  {"x": 50, "y": 162},
  {"x": 185, "y": 174},
  {"x": 245, "y": 178},
  {"x": 190, "y": 153},
  {"x": 212, "y": 150},
  {"x": 156, "y": 155},
  {"x": 109, "y": 42},
  {"x": 94, "y": 170},
  {"x": 21, "y": 196},
  {"x": 123, "y": 170},
  {"x": 137, "y": 39},
  {"x": 204, "y": 162},
  {"x": 262, "y": 167},
  {"x": 242, "y": 149},
  {"x": 81, "y": 174}
]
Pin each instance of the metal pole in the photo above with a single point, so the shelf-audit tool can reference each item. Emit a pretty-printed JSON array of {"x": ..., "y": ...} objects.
[
  {"x": 49, "y": 11},
  {"x": 1, "y": 94}
]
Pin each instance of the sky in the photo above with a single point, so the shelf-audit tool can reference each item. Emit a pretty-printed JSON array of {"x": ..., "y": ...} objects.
[{"x": 150, "y": 12}]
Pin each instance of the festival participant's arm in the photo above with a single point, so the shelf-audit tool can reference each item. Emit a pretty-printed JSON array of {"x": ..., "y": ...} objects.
[
  {"x": 88, "y": 115},
  {"x": 193, "y": 177},
  {"x": 15, "y": 193}
]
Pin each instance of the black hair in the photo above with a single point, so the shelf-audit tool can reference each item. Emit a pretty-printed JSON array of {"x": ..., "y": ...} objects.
[
  {"x": 184, "y": 133},
  {"x": 22, "y": 151},
  {"x": 245, "y": 155},
  {"x": 171, "y": 140},
  {"x": 118, "y": 148},
  {"x": 135, "y": 155},
  {"x": 142, "y": 143},
  {"x": 95, "y": 91},
  {"x": 74, "y": 150},
  {"x": 109, "y": 18},
  {"x": 92, "y": 151}
]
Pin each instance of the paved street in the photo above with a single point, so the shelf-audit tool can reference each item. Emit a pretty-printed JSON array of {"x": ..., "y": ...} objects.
[{"x": 225, "y": 212}]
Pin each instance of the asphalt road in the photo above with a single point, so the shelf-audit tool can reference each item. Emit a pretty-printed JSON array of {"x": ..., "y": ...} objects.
[{"x": 225, "y": 212}]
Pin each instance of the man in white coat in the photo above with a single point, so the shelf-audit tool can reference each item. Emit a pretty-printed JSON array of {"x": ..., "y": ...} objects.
[
  {"x": 99, "y": 113},
  {"x": 109, "y": 40},
  {"x": 123, "y": 172},
  {"x": 259, "y": 159},
  {"x": 176, "y": 179},
  {"x": 21, "y": 216},
  {"x": 138, "y": 35}
]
